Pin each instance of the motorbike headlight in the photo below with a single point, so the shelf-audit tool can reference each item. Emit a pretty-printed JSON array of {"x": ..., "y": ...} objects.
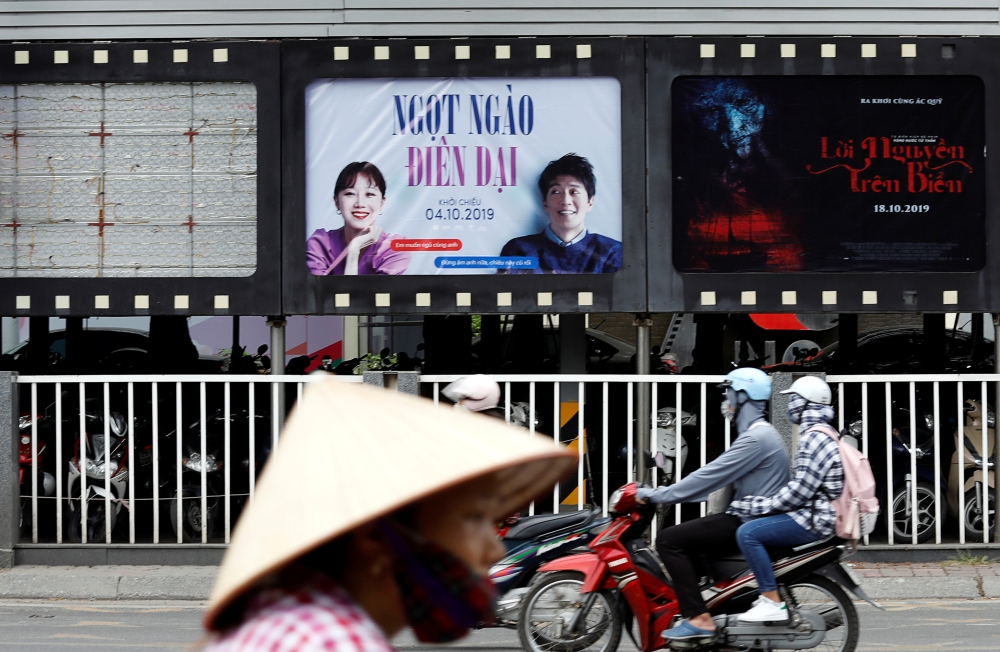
[
  {"x": 929, "y": 421},
  {"x": 195, "y": 463},
  {"x": 25, "y": 440},
  {"x": 666, "y": 420},
  {"x": 991, "y": 419},
  {"x": 856, "y": 428},
  {"x": 96, "y": 468}
]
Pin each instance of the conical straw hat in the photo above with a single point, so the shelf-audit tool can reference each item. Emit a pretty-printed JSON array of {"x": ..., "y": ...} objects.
[{"x": 350, "y": 453}]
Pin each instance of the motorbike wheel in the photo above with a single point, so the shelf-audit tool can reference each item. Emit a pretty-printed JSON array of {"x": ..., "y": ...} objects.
[
  {"x": 191, "y": 514},
  {"x": 902, "y": 520},
  {"x": 549, "y": 606},
  {"x": 829, "y": 600},
  {"x": 974, "y": 515},
  {"x": 96, "y": 530}
]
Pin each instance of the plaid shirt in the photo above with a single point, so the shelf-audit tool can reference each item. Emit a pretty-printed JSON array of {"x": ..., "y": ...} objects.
[
  {"x": 819, "y": 478},
  {"x": 316, "y": 615}
]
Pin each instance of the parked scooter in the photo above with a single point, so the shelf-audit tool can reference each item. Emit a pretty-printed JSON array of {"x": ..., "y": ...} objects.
[
  {"x": 584, "y": 601},
  {"x": 532, "y": 541},
  {"x": 969, "y": 448},
  {"x": 104, "y": 455},
  {"x": 46, "y": 481}
]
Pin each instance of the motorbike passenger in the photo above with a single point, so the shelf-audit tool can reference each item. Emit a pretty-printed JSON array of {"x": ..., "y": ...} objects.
[
  {"x": 476, "y": 393},
  {"x": 800, "y": 512},
  {"x": 327, "y": 558},
  {"x": 756, "y": 464}
]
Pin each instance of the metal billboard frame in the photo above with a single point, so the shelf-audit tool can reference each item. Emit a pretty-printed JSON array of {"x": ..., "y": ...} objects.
[
  {"x": 307, "y": 60},
  {"x": 670, "y": 290},
  {"x": 201, "y": 61}
]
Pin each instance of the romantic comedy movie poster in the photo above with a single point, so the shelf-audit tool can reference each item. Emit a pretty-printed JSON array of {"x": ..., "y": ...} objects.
[
  {"x": 828, "y": 174},
  {"x": 463, "y": 176}
]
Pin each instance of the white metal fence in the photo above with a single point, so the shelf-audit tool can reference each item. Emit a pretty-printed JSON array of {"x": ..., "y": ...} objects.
[{"x": 144, "y": 487}]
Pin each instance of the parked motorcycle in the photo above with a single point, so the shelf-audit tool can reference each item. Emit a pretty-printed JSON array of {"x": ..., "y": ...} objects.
[
  {"x": 532, "y": 541},
  {"x": 104, "y": 454},
  {"x": 584, "y": 601},
  {"x": 46, "y": 481},
  {"x": 969, "y": 448}
]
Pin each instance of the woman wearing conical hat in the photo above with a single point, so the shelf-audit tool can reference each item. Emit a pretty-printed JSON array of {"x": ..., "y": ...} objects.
[{"x": 374, "y": 513}]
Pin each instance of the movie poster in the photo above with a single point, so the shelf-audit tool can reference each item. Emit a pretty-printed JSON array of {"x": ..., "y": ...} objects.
[
  {"x": 463, "y": 176},
  {"x": 828, "y": 174}
]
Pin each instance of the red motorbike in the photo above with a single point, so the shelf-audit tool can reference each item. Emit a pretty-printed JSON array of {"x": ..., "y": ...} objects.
[{"x": 582, "y": 602}]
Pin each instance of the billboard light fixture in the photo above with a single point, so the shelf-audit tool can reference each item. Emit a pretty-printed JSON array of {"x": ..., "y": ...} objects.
[
  {"x": 381, "y": 52},
  {"x": 583, "y": 51},
  {"x": 102, "y": 302},
  {"x": 748, "y": 297},
  {"x": 142, "y": 302},
  {"x": 543, "y": 51},
  {"x": 503, "y": 52},
  {"x": 748, "y": 50},
  {"x": 504, "y": 299},
  {"x": 341, "y": 53},
  {"x": 222, "y": 302},
  {"x": 908, "y": 50},
  {"x": 950, "y": 297},
  {"x": 789, "y": 298},
  {"x": 545, "y": 298},
  {"x": 60, "y": 56},
  {"x": 342, "y": 300},
  {"x": 828, "y": 50},
  {"x": 382, "y": 300},
  {"x": 585, "y": 298},
  {"x": 462, "y": 52},
  {"x": 868, "y": 51},
  {"x": 23, "y": 302},
  {"x": 62, "y": 302},
  {"x": 140, "y": 56},
  {"x": 21, "y": 57},
  {"x": 708, "y": 298},
  {"x": 423, "y": 299},
  {"x": 829, "y": 297},
  {"x": 100, "y": 56},
  {"x": 788, "y": 50},
  {"x": 421, "y": 52},
  {"x": 869, "y": 297},
  {"x": 708, "y": 50}
]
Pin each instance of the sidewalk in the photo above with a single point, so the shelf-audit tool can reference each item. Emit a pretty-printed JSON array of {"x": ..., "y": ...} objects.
[{"x": 881, "y": 582}]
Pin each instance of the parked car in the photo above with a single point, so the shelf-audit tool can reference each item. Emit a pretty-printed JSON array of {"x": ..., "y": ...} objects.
[{"x": 893, "y": 351}]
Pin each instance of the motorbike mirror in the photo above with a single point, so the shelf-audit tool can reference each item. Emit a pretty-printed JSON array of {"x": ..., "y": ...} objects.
[
  {"x": 262, "y": 349},
  {"x": 661, "y": 460}
]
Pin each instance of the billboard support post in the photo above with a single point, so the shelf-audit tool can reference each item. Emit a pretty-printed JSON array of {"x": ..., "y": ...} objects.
[
  {"x": 642, "y": 323},
  {"x": 996, "y": 449}
]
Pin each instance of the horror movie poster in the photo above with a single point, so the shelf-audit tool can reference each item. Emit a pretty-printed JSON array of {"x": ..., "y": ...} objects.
[
  {"x": 828, "y": 174},
  {"x": 463, "y": 176}
]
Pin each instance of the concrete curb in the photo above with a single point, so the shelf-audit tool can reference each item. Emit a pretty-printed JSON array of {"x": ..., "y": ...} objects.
[
  {"x": 107, "y": 582},
  {"x": 919, "y": 588}
]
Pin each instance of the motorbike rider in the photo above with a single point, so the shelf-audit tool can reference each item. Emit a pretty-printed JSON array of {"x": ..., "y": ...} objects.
[
  {"x": 476, "y": 393},
  {"x": 756, "y": 464},
  {"x": 800, "y": 512}
]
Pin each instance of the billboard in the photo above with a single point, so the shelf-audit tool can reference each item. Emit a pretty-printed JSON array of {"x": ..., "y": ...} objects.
[
  {"x": 140, "y": 179},
  {"x": 829, "y": 174},
  {"x": 481, "y": 176},
  {"x": 463, "y": 176},
  {"x": 821, "y": 175}
]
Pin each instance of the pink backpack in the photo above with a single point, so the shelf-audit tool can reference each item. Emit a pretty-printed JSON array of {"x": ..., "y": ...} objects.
[{"x": 857, "y": 506}]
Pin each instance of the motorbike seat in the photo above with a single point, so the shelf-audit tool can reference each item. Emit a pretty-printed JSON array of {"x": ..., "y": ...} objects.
[
  {"x": 533, "y": 526},
  {"x": 731, "y": 565}
]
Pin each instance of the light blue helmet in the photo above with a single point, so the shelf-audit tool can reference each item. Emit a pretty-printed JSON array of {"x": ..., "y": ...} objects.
[{"x": 754, "y": 382}]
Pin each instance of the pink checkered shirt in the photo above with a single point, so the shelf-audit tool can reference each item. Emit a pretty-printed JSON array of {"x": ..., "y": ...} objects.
[{"x": 312, "y": 617}]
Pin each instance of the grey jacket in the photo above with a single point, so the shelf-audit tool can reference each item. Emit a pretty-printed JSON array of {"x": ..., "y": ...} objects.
[{"x": 756, "y": 465}]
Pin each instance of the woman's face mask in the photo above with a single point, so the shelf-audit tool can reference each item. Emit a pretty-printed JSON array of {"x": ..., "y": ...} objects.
[
  {"x": 727, "y": 410},
  {"x": 796, "y": 406},
  {"x": 442, "y": 596}
]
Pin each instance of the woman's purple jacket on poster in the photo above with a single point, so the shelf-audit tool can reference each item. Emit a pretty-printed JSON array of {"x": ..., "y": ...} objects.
[{"x": 323, "y": 248}]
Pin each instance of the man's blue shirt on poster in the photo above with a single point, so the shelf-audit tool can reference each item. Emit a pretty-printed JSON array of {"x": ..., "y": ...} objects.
[{"x": 591, "y": 253}]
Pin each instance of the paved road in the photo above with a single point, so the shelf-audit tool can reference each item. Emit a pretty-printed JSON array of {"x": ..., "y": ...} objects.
[{"x": 910, "y": 626}]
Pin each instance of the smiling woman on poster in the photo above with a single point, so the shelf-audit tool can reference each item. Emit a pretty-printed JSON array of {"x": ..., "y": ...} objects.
[{"x": 360, "y": 246}]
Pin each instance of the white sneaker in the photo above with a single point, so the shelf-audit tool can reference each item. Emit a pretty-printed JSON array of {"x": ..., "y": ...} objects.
[{"x": 766, "y": 610}]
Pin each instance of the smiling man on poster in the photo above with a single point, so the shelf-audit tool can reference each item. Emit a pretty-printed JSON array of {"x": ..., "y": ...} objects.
[{"x": 568, "y": 189}]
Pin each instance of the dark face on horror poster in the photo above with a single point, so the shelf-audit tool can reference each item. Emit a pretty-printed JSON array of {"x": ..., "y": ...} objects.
[{"x": 828, "y": 174}]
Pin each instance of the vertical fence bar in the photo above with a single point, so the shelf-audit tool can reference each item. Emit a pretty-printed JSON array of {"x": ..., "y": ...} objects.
[
  {"x": 82, "y": 459},
  {"x": 203, "y": 421},
  {"x": 604, "y": 449},
  {"x": 840, "y": 406},
  {"x": 156, "y": 461},
  {"x": 34, "y": 464},
  {"x": 437, "y": 392},
  {"x": 179, "y": 465},
  {"x": 252, "y": 429},
  {"x": 59, "y": 465},
  {"x": 914, "y": 504},
  {"x": 888, "y": 462},
  {"x": 531, "y": 426},
  {"x": 654, "y": 442},
  {"x": 557, "y": 435},
  {"x": 703, "y": 446},
  {"x": 960, "y": 420},
  {"x": 864, "y": 427},
  {"x": 937, "y": 463},
  {"x": 728, "y": 433},
  {"x": 984, "y": 502},
  {"x": 679, "y": 463},
  {"x": 275, "y": 416},
  {"x": 225, "y": 463},
  {"x": 133, "y": 462},
  {"x": 107, "y": 464},
  {"x": 298, "y": 392},
  {"x": 581, "y": 448},
  {"x": 629, "y": 435},
  {"x": 506, "y": 402}
]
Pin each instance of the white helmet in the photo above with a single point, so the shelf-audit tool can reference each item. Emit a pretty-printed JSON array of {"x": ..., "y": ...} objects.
[
  {"x": 811, "y": 389},
  {"x": 475, "y": 393}
]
